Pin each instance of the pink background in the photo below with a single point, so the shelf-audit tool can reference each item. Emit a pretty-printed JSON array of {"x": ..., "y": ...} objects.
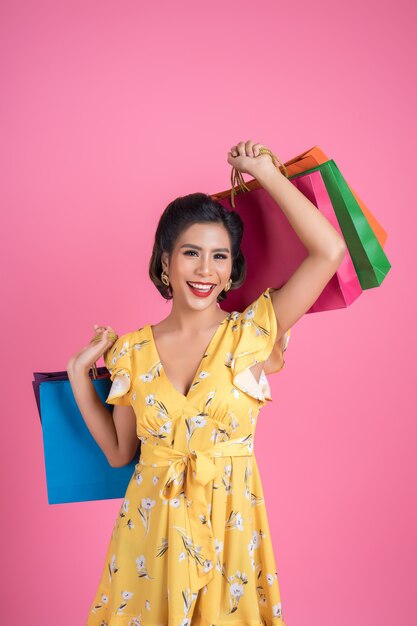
[{"x": 109, "y": 110}]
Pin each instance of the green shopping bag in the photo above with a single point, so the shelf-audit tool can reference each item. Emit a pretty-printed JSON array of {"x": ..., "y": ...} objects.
[{"x": 368, "y": 257}]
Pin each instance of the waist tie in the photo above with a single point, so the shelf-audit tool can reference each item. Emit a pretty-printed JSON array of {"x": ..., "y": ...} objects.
[{"x": 194, "y": 470}]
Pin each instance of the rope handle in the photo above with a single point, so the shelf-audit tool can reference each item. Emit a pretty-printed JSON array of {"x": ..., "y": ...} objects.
[
  {"x": 237, "y": 178},
  {"x": 112, "y": 336}
]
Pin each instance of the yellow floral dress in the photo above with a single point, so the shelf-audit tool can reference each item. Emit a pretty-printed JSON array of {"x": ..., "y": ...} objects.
[{"x": 191, "y": 543}]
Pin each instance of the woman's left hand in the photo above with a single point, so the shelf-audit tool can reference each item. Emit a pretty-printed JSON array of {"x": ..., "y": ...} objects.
[{"x": 245, "y": 158}]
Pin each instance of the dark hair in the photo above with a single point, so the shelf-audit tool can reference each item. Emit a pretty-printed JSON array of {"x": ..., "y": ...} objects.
[{"x": 195, "y": 208}]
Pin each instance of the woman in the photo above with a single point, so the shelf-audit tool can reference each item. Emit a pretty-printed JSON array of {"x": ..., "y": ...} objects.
[{"x": 191, "y": 543}]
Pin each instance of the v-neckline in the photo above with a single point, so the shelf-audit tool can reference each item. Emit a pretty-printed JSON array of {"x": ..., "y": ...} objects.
[{"x": 197, "y": 372}]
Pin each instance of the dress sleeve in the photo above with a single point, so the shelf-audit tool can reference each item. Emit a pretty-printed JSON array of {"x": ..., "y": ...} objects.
[
  {"x": 256, "y": 340},
  {"x": 118, "y": 361}
]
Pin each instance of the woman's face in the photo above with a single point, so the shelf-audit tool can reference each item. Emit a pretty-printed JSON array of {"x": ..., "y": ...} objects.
[{"x": 202, "y": 255}]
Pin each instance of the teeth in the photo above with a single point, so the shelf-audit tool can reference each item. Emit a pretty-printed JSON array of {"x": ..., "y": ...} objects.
[{"x": 201, "y": 287}]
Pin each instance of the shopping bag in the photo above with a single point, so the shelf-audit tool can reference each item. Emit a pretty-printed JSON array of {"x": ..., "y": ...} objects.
[
  {"x": 76, "y": 467},
  {"x": 306, "y": 161},
  {"x": 370, "y": 261},
  {"x": 315, "y": 156},
  {"x": 273, "y": 251}
]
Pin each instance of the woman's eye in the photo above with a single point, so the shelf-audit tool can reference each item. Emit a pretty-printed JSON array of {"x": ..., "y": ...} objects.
[{"x": 222, "y": 256}]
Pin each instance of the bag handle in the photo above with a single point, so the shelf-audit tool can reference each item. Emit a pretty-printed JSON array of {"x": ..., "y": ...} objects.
[
  {"x": 237, "y": 178},
  {"x": 112, "y": 336}
]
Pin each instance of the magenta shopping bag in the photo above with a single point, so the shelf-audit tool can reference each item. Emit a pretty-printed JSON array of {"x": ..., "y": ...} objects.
[{"x": 273, "y": 251}]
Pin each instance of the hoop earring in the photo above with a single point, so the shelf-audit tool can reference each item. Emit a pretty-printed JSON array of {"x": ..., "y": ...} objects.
[
  {"x": 228, "y": 285},
  {"x": 165, "y": 279}
]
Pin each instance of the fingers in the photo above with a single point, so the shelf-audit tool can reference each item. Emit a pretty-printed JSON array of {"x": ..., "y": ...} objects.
[
  {"x": 104, "y": 331},
  {"x": 242, "y": 148},
  {"x": 239, "y": 150},
  {"x": 248, "y": 148}
]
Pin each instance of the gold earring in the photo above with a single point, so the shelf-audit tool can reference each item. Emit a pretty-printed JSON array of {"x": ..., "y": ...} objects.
[
  {"x": 165, "y": 279},
  {"x": 228, "y": 284}
]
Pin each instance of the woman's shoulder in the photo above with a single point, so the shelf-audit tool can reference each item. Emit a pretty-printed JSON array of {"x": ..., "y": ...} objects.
[
  {"x": 258, "y": 311},
  {"x": 133, "y": 340},
  {"x": 135, "y": 348}
]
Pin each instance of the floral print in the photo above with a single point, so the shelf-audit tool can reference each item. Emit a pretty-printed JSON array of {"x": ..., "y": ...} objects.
[{"x": 191, "y": 544}]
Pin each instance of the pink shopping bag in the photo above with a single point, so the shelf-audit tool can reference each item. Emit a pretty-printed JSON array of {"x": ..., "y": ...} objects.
[{"x": 273, "y": 250}]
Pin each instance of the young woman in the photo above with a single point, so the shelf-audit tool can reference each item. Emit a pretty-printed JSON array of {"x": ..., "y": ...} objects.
[{"x": 191, "y": 543}]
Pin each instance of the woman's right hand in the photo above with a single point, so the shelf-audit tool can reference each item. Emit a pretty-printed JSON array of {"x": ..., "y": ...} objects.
[
  {"x": 246, "y": 158},
  {"x": 103, "y": 338}
]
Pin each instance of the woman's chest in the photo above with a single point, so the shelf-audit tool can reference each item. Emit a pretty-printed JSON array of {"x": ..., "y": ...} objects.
[
  {"x": 210, "y": 392},
  {"x": 158, "y": 396},
  {"x": 182, "y": 361}
]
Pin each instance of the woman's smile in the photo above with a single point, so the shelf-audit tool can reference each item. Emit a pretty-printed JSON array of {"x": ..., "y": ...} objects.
[{"x": 200, "y": 289}]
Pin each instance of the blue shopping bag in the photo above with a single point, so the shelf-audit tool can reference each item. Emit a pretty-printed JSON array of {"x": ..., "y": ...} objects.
[{"x": 76, "y": 468}]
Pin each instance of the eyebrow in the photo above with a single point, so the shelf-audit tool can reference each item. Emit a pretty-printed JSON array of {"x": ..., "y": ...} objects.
[{"x": 191, "y": 245}]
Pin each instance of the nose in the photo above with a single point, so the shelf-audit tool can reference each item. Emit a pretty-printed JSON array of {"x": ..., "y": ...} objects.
[{"x": 205, "y": 267}]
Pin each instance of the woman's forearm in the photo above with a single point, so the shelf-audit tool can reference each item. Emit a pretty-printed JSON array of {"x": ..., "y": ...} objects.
[
  {"x": 313, "y": 229},
  {"x": 99, "y": 421}
]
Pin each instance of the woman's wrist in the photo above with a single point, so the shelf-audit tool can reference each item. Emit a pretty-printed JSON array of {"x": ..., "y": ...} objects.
[
  {"x": 77, "y": 371},
  {"x": 266, "y": 172}
]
